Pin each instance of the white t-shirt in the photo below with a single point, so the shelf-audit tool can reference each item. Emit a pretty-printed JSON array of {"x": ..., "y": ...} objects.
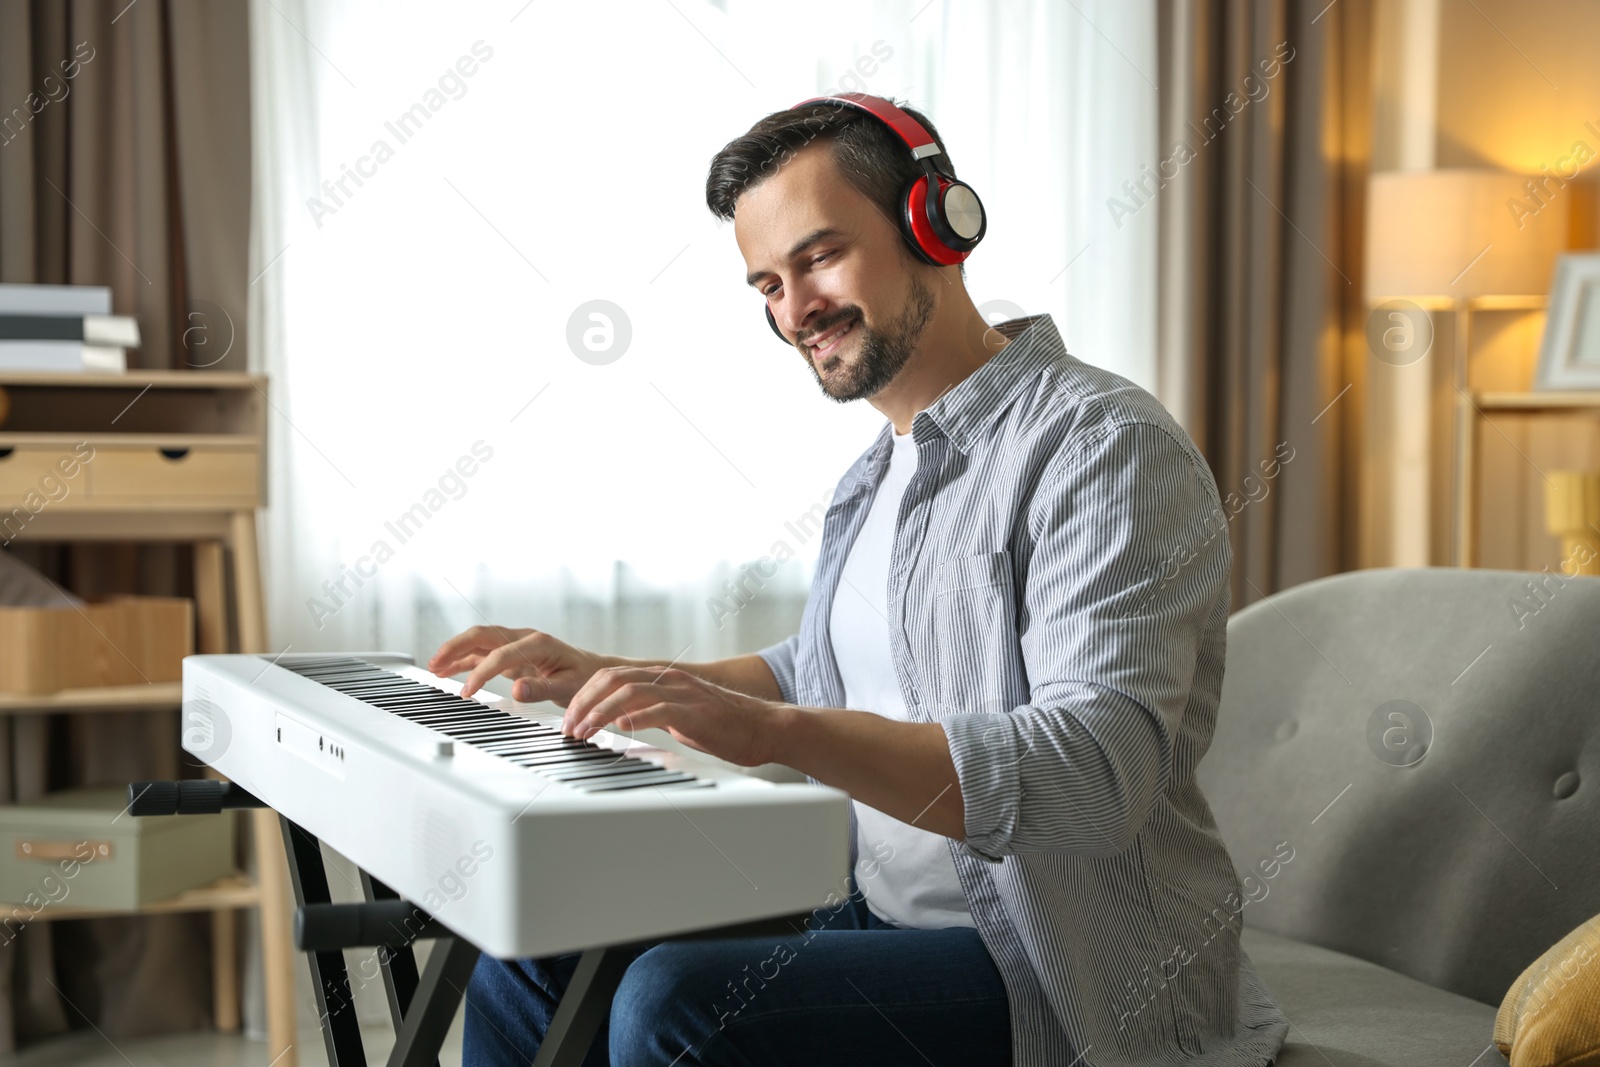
[{"x": 906, "y": 873}]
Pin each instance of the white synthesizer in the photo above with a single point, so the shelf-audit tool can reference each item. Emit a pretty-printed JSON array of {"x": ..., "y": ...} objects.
[{"x": 519, "y": 839}]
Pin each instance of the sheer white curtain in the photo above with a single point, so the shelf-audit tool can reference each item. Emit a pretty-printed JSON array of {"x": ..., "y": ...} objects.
[{"x": 442, "y": 190}]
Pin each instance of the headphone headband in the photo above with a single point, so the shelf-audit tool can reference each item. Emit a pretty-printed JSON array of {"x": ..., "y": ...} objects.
[{"x": 909, "y": 129}]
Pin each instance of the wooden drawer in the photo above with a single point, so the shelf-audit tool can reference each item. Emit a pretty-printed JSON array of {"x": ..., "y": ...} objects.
[
  {"x": 146, "y": 474},
  {"x": 39, "y": 469}
]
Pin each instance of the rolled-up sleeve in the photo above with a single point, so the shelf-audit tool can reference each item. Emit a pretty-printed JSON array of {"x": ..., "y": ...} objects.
[
  {"x": 1126, "y": 583},
  {"x": 780, "y": 658}
]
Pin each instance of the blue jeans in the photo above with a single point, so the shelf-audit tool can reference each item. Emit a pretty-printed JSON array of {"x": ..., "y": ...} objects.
[{"x": 852, "y": 989}]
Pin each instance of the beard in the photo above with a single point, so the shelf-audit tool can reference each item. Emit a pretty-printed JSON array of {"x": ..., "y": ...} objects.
[{"x": 882, "y": 352}]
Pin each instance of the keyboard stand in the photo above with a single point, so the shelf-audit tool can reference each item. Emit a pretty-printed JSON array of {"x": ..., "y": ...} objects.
[{"x": 424, "y": 1007}]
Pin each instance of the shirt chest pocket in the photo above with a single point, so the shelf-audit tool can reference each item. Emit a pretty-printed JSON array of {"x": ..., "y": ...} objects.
[{"x": 977, "y": 657}]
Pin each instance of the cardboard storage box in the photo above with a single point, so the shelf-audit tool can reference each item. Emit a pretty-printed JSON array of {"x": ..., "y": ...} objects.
[
  {"x": 125, "y": 640},
  {"x": 79, "y": 849}
]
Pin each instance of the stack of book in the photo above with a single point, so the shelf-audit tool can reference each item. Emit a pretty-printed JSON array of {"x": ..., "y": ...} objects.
[{"x": 63, "y": 328}]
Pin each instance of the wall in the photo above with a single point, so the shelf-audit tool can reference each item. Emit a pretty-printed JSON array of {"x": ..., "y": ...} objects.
[{"x": 1519, "y": 89}]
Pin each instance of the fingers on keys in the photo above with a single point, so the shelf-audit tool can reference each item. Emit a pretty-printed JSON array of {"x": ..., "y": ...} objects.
[{"x": 475, "y": 641}]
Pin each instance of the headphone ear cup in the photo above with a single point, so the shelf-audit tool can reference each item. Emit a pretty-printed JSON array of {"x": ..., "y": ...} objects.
[
  {"x": 774, "y": 324},
  {"x": 924, "y": 225},
  {"x": 959, "y": 204},
  {"x": 908, "y": 229}
]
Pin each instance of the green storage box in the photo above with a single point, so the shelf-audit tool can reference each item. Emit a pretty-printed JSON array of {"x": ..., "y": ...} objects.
[{"x": 80, "y": 849}]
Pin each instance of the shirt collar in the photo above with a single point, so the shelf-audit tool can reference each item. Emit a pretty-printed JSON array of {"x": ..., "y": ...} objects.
[{"x": 967, "y": 409}]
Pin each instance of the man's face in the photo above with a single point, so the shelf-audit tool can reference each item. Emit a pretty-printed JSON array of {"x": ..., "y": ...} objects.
[{"x": 835, "y": 273}]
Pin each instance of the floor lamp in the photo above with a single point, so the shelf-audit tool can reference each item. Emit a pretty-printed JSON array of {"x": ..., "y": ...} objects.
[{"x": 1458, "y": 241}]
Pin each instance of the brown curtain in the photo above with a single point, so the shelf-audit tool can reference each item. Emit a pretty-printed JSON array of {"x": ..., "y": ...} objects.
[
  {"x": 124, "y": 161},
  {"x": 1265, "y": 133}
]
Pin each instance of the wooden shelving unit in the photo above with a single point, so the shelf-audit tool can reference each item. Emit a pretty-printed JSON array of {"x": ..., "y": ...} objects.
[
  {"x": 1472, "y": 408},
  {"x": 232, "y": 892},
  {"x": 1427, "y": 507},
  {"x": 1576, "y": 400},
  {"x": 157, "y": 696},
  {"x": 178, "y": 456}
]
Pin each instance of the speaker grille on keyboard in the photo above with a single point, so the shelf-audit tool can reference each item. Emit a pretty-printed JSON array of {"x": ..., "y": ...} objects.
[{"x": 542, "y": 749}]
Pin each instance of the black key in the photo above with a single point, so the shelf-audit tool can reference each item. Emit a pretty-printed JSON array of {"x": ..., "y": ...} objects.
[
  {"x": 363, "y": 681},
  {"x": 529, "y": 735},
  {"x": 513, "y": 749},
  {"x": 629, "y": 765},
  {"x": 448, "y": 713},
  {"x": 598, "y": 755},
  {"x": 611, "y": 786},
  {"x": 551, "y": 764},
  {"x": 533, "y": 748},
  {"x": 424, "y": 706},
  {"x": 688, "y": 782},
  {"x": 450, "y": 704},
  {"x": 482, "y": 739},
  {"x": 478, "y": 735},
  {"x": 452, "y": 714},
  {"x": 551, "y": 759},
  {"x": 543, "y": 737},
  {"x": 410, "y": 701},
  {"x": 482, "y": 733},
  {"x": 429, "y": 716},
  {"x": 379, "y": 681},
  {"x": 426, "y": 696},
  {"x": 481, "y": 717}
]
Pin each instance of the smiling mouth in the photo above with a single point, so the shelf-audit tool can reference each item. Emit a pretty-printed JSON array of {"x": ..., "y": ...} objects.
[{"x": 833, "y": 343}]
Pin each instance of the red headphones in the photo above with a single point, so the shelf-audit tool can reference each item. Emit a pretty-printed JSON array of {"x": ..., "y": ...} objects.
[{"x": 941, "y": 229}]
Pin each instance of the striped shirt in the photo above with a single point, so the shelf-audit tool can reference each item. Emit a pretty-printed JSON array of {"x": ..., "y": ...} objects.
[{"x": 1058, "y": 602}]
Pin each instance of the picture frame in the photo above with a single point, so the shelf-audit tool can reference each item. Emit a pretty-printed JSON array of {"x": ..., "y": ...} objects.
[{"x": 1569, "y": 354}]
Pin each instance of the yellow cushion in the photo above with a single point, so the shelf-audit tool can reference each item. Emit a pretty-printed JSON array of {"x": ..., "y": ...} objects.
[{"x": 1551, "y": 1015}]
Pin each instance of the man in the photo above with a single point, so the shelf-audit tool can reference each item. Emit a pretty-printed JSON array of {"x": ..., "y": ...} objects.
[{"x": 1001, "y": 662}]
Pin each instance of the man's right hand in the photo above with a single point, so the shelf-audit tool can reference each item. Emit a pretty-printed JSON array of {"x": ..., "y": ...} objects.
[{"x": 542, "y": 667}]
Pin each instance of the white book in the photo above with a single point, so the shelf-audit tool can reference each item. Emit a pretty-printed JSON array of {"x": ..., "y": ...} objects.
[
  {"x": 63, "y": 356},
  {"x": 55, "y": 300}
]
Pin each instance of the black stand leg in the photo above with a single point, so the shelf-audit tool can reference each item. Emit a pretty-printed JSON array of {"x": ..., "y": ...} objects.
[
  {"x": 587, "y": 998},
  {"x": 336, "y": 1007},
  {"x": 439, "y": 994},
  {"x": 399, "y": 964},
  {"x": 423, "y": 1008},
  {"x": 583, "y": 1005}
]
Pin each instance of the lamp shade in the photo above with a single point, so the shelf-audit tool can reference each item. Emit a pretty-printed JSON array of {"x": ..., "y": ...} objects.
[{"x": 1463, "y": 233}]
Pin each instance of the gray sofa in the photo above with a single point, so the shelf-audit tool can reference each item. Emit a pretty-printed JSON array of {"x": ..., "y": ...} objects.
[{"x": 1434, "y": 854}]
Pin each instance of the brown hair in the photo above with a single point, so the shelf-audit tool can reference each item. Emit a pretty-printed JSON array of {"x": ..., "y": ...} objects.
[{"x": 869, "y": 155}]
